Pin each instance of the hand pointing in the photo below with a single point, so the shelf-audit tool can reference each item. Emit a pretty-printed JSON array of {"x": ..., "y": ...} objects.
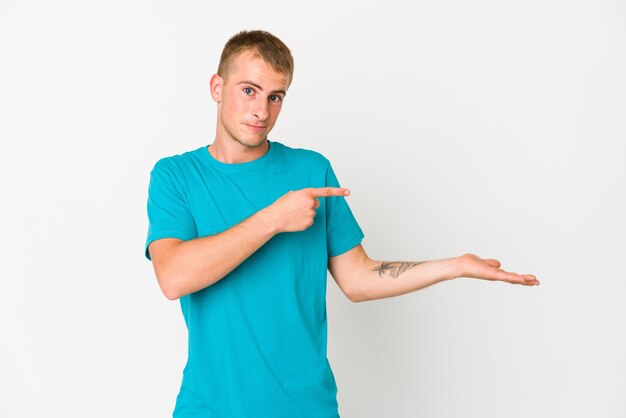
[{"x": 295, "y": 210}]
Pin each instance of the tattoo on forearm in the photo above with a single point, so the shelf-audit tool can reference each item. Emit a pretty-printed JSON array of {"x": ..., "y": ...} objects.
[{"x": 395, "y": 268}]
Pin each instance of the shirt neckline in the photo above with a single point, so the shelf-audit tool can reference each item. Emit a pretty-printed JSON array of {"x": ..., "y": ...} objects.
[{"x": 237, "y": 167}]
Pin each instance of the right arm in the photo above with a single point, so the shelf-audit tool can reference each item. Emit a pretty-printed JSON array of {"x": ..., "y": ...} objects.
[{"x": 184, "y": 267}]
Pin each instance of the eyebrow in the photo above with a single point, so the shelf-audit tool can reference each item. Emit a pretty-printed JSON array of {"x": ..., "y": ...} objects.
[{"x": 283, "y": 92}]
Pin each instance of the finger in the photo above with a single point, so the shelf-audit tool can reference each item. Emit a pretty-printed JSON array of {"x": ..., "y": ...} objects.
[
  {"x": 505, "y": 276},
  {"x": 514, "y": 278},
  {"x": 510, "y": 277},
  {"x": 530, "y": 280},
  {"x": 526, "y": 280},
  {"x": 328, "y": 191},
  {"x": 492, "y": 262}
]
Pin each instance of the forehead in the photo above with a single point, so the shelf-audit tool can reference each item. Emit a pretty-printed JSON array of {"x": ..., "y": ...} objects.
[{"x": 247, "y": 66}]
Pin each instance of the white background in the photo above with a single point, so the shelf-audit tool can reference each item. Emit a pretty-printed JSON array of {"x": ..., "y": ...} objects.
[{"x": 491, "y": 127}]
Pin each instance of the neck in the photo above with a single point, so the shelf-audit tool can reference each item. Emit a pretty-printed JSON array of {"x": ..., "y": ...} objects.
[{"x": 232, "y": 152}]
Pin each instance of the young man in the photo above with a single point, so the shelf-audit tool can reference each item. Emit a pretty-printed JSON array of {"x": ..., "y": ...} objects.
[{"x": 243, "y": 232}]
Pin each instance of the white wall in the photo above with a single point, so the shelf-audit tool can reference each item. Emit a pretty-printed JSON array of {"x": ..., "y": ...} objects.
[{"x": 490, "y": 127}]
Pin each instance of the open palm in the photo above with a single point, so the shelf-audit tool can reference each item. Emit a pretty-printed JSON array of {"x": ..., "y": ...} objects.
[{"x": 472, "y": 266}]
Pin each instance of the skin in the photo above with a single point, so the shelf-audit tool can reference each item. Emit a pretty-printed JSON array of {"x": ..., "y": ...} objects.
[
  {"x": 250, "y": 96},
  {"x": 249, "y": 99}
]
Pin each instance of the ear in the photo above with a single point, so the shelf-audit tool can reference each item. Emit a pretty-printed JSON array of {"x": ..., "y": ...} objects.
[{"x": 217, "y": 83}]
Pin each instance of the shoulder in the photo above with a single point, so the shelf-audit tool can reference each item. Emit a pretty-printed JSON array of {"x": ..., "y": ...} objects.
[
  {"x": 302, "y": 155},
  {"x": 176, "y": 163}
]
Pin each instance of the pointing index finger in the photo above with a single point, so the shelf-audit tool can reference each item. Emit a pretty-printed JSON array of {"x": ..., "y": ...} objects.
[{"x": 329, "y": 191}]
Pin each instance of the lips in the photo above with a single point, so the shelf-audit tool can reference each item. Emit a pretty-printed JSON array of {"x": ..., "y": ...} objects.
[{"x": 255, "y": 127}]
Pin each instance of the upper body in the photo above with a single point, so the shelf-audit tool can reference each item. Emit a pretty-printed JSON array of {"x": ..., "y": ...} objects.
[
  {"x": 257, "y": 337},
  {"x": 217, "y": 239}
]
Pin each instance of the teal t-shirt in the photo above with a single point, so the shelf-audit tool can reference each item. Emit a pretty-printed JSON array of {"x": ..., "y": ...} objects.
[{"x": 257, "y": 337}]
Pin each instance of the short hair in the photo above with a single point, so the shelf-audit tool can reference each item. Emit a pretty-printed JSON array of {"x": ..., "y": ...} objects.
[{"x": 265, "y": 45}]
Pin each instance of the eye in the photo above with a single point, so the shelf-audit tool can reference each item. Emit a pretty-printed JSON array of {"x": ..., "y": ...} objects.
[
  {"x": 275, "y": 98},
  {"x": 248, "y": 90}
]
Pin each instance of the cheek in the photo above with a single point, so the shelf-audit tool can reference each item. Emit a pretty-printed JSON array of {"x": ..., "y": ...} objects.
[
  {"x": 232, "y": 102},
  {"x": 276, "y": 112},
  {"x": 239, "y": 106}
]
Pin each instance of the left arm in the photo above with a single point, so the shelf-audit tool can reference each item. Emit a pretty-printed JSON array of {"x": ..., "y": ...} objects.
[{"x": 361, "y": 278}]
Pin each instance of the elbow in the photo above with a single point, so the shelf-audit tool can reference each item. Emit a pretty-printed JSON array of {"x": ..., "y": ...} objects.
[
  {"x": 358, "y": 290},
  {"x": 355, "y": 299},
  {"x": 170, "y": 293},
  {"x": 358, "y": 298},
  {"x": 357, "y": 295},
  {"x": 169, "y": 287},
  {"x": 358, "y": 286},
  {"x": 166, "y": 268}
]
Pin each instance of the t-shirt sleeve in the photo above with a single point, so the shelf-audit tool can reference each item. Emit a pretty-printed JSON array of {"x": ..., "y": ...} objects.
[
  {"x": 169, "y": 215},
  {"x": 342, "y": 230}
]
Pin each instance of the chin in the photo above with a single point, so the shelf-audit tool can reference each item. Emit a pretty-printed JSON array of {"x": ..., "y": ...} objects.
[
  {"x": 255, "y": 142},
  {"x": 261, "y": 142},
  {"x": 258, "y": 140}
]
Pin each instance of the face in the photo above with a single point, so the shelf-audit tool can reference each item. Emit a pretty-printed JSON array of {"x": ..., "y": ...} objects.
[{"x": 248, "y": 100}]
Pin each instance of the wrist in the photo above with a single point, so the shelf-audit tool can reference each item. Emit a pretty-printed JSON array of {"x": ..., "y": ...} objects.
[
  {"x": 456, "y": 268},
  {"x": 268, "y": 221}
]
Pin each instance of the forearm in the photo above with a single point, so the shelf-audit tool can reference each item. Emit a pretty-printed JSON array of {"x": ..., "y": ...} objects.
[
  {"x": 196, "y": 264},
  {"x": 201, "y": 262},
  {"x": 383, "y": 279}
]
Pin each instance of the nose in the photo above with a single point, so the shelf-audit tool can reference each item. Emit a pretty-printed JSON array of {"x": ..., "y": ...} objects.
[{"x": 260, "y": 109}]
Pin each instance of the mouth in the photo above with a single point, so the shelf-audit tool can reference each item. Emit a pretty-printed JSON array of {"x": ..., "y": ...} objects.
[{"x": 256, "y": 128}]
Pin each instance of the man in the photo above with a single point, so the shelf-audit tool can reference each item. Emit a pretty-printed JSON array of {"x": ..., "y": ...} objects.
[{"x": 243, "y": 232}]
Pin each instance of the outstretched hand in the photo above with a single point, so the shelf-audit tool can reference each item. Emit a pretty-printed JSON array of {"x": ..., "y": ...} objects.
[{"x": 472, "y": 266}]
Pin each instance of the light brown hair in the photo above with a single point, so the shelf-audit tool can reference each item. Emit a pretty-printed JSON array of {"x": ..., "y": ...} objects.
[{"x": 265, "y": 45}]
